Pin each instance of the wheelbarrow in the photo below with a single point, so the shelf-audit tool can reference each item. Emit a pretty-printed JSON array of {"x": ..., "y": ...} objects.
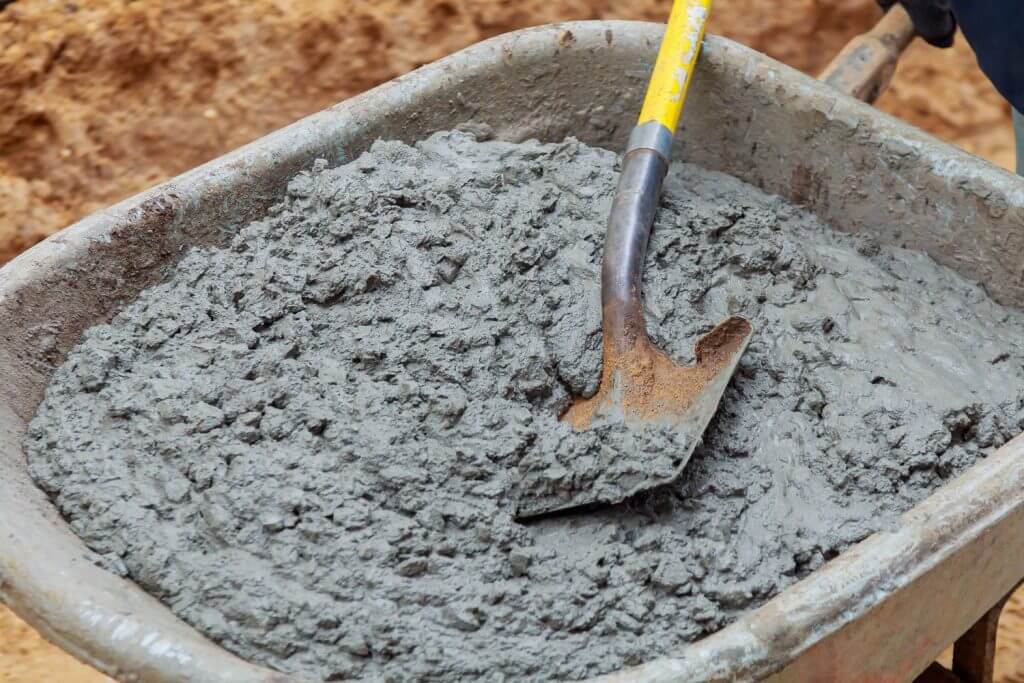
[{"x": 882, "y": 611}]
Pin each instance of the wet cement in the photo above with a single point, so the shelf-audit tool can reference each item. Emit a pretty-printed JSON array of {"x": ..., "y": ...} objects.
[{"x": 307, "y": 444}]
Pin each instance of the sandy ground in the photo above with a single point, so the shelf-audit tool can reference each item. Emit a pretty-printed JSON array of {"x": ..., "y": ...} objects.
[
  {"x": 27, "y": 658},
  {"x": 101, "y": 99}
]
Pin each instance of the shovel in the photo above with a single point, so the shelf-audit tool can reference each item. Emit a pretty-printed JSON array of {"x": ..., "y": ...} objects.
[{"x": 641, "y": 387}]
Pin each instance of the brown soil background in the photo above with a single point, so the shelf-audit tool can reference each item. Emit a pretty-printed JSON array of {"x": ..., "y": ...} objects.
[{"x": 102, "y": 98}]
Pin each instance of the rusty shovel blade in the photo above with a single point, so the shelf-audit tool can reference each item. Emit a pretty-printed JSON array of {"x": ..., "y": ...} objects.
[
  {"x": 665, "y": 407},
  {"x": 643, "y": 390}
]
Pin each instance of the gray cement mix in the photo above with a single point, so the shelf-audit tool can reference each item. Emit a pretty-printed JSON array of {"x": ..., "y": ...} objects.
[{"x": 308, "y": 443}]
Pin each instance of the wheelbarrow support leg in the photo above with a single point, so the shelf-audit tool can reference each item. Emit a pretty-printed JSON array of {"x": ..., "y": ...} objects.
[{"x": 974, "y": 653}]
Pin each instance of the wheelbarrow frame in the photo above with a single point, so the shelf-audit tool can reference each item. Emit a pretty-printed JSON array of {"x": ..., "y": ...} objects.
[{"x": 881, "y": 611}]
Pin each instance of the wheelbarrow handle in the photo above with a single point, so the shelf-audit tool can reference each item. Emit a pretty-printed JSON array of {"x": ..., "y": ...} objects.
[{"x": 865, "y": 66}]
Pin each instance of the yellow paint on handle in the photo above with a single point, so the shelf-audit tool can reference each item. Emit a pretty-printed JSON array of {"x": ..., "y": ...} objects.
[{"x": 677, "y": 57}]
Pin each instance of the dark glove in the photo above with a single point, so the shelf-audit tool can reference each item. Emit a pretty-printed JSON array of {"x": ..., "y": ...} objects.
[
  {"x": 995, "y": 29},
  {"x": 933, "y": 19}
]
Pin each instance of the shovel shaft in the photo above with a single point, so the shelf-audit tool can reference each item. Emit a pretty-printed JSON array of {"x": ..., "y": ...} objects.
[
  {"x": 629, "y": 229},
  {"x": 643, "y": 169},
  {"x": 673, "y": 69}
]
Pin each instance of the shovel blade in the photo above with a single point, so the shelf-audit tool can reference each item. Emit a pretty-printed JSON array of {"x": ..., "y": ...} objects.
[{"x": 655, "y": 412}]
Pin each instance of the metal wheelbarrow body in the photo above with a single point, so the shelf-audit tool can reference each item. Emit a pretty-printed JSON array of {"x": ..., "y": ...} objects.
[{"x": 880, "y": 612}]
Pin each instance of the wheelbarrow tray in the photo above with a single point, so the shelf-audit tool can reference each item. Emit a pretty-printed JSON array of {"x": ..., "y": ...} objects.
[{"x": 882, "y": 611}]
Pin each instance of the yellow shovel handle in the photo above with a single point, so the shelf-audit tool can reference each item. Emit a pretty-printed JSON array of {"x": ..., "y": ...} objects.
[{"x": 677, "y": 57}]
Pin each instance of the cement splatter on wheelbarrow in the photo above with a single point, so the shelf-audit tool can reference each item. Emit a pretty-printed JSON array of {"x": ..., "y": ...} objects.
[{"x": 306, "y": 443}]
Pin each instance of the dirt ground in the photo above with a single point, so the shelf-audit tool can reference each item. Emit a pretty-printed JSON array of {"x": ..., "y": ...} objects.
[
  {"x": 27, "y": 658},
  {"x": 101, "y": 99}
]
